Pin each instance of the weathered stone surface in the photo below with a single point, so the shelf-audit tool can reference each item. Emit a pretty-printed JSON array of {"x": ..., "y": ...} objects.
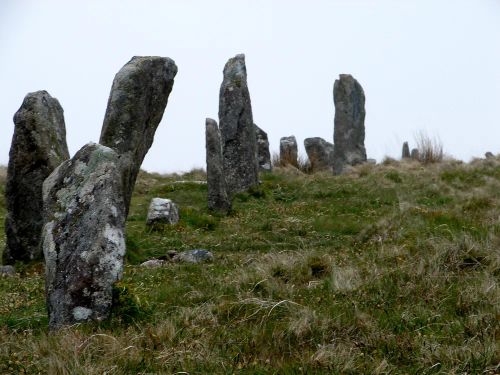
[
  {"x": 288, "y": 150},
  {"x": 136, "y": 104},
  {"x": 218, "y": 199},
  {"x": 7, "y": 270},
  {"x": 83, "y": 235},
  {"x": 239, "y": 146},
  {"x": 263, "y": 154},
  {"x": 349, "y": 129},
  {"x": 406, "y": 151},
  {"x": 489, "y": 155},
  {"x": 319, "y": 152},
  {"x": 162, "y": 211},
  {"x": 153, "y": 263},
  {"x": 415, "y": 154},
  {"x": 38, "y": 147},
  {"x": 194, "y": 256}
]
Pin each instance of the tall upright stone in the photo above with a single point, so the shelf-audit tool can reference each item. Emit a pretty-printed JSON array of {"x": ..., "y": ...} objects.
[
  {"x": 218, "y": 199},
  {"x": 415, "y": 154},
  {"x": 83, "y": 236},
  {"x": 406, "y": 151},
  {"x": 288, "y": 150},
  {"x": 319, "y": 152},
  {"x": 349, "y": 129},
  {"x": 38, "y": 147},
  {"x": 239, "y": 146},
  {"x": 263, "y": 154},
  {"x": 138, "y": 98}
]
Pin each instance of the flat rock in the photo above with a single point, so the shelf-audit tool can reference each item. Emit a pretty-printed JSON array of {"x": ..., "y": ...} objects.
[
  {"x": 263, "y": 154},
  {"x": 153, "y": 263},
  {"x": 38, "y": 147},
  {"x": 7, "y": 270},
  {"x": 319, "y": 152},
  {"x": 138, "y": 98},
  {"x": 83, "y": 237},
  {"x": 162, "y": 211},
  {"x": 193, "y": 256}
]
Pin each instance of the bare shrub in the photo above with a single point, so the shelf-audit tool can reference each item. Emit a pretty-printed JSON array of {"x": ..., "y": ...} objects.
[{"x": 430, "y": 149}]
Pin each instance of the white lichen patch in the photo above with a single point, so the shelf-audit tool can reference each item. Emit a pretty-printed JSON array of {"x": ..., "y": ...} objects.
[
  {"x": 81, "y": 313},
  {"x": 115, "y": 236}
]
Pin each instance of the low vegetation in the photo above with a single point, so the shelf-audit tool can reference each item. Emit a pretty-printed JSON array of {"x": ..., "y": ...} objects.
[{"x": 392, "y": 268}]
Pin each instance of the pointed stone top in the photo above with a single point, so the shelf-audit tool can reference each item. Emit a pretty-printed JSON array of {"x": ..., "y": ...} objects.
[
  {"x": 210, "y": 121},
  {"x": 235, "y": 68}
]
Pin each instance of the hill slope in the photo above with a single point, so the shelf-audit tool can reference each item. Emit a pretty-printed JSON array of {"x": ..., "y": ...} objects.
[{"x": 390, "y": 269}]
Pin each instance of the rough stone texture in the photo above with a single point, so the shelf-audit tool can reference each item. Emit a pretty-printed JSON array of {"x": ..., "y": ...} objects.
[
  {"x": 38, "y": 147},
  {"x": 406, "y": 151},
  {"x": 194, "y": 256},
  {"x": 239, "y": 145},
  {"x": 415, "y": 154},
  {"x": 349, "y": 129},
  {"x": 162, "y": 211},
  {"x": 218, "y": 199},
  {"x": 263, "y": 154},
  {"x": 489, "y": 155},
  {"x": 83, "y": 235},
  {"x": 319, "y": 152},
  {"x": 136, "y": 104},
  {"x": 7, "y": 270},
  {"x": 288, "y": 150}
]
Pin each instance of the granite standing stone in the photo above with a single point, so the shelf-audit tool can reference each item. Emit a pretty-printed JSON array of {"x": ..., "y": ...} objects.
[
  {"x": 218, "y": 199},
  {"x": 38, "y": 147},
  {"x": 162, "y": 211},
  {"x": 83, "y": 236},
  {"x": 319, "y": 152},
  {"x": 239, "y": 146},
  {"x": 349, "y": 129},
  {"x": 406, "y": 151},
  {"x": 138, "y": 98},
  {"x": 263, "y": 154},
  {"x": 415, "y": 154},
  {"x": 288, "y": 150}
]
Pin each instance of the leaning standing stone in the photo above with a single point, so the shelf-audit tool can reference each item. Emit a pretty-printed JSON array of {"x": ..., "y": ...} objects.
[
  {"x": 38, "y": 147},
  {"x": 136, "y": 104},
  {"x": 349, "y": 129},
  {"x": 319, "y": 152},
  {"x": 218, "y": 199},
  {"x": 83, "y": 237},
  {"x": 239, "y": 146},
  {"x": 162, "y": 211},
  {"x": 406, "y": 151},
  {"x": 288, "y": 150},
  {"x": 263, "y": 154}
]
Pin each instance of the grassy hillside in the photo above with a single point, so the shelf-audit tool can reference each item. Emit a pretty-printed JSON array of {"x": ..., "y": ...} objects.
[{"x": 390, "y": 269}]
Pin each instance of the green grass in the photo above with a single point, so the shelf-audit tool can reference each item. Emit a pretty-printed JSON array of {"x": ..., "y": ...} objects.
[{"x": 390, "y": 269}]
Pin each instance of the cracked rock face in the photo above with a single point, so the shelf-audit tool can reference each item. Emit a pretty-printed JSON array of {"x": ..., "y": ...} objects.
[
  {"x": 38, "y": 147},
  {"x": 263, "y": 154},
  {"x": 138, "y": 98},
  {"x": 83, "y": 236},
  {"x": 349, "y": 129},
  {"x": 162, "y": 211},
  {"x": 319, "y": 152},
  {"x": 239, "y": 146},
  {"x": 289, "y": 150},
  {"x": 218, "y": 199}
]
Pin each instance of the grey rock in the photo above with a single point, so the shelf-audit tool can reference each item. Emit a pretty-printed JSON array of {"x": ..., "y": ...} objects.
[
  {"x": 288, "y": 150},
  {"x": 218, "y": 199},
  {"x": 152, "y": 263},
  {"x": 83, "y": 236},
  {"x": 162, "y": 211},
  {"x": 319, "y": 152},
  {"x": 489, "y": 155},
  {"x": 38, "y": 147},
  {"x": 239, "y": 145},
  {"x": 415, "y": 154},
  {"x": 194, "y": 256},
  {"x": 7, "y": 270},
  {"x": 263, "y": 154},
  {"x": 406, "y": 151},
  {"x": 349, "y": 129},
  {"x": 135, "y": 108},
  {"x": 371, "y": 161}
]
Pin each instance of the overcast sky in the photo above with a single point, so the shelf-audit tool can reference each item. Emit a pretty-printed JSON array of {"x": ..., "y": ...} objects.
[{"x": 431, "y": 65}]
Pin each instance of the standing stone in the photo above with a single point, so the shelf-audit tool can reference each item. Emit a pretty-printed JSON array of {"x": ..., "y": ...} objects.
[
  {"x": 218, "y": 199},
  {"x": 83, "y": 236},
  {"x": 489, "y": 155},
  {"x": 263, "y": 154},
  {"x": 349, "y": 130},
  {"x": 415, "y": 154},
  {"x": 162, "y": 211},
  {"x": 239, "y": 146},
  {"x": 406, "y": 151},
  {"x": 288, "y": 151},
  {"x": 136, "y": 104},
  {"x": 38, "y": 147},
  {"x": 319, "y": 152}
]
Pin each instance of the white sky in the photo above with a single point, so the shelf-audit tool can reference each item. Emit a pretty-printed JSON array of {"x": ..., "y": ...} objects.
[{"x": 431, "y": 65}]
